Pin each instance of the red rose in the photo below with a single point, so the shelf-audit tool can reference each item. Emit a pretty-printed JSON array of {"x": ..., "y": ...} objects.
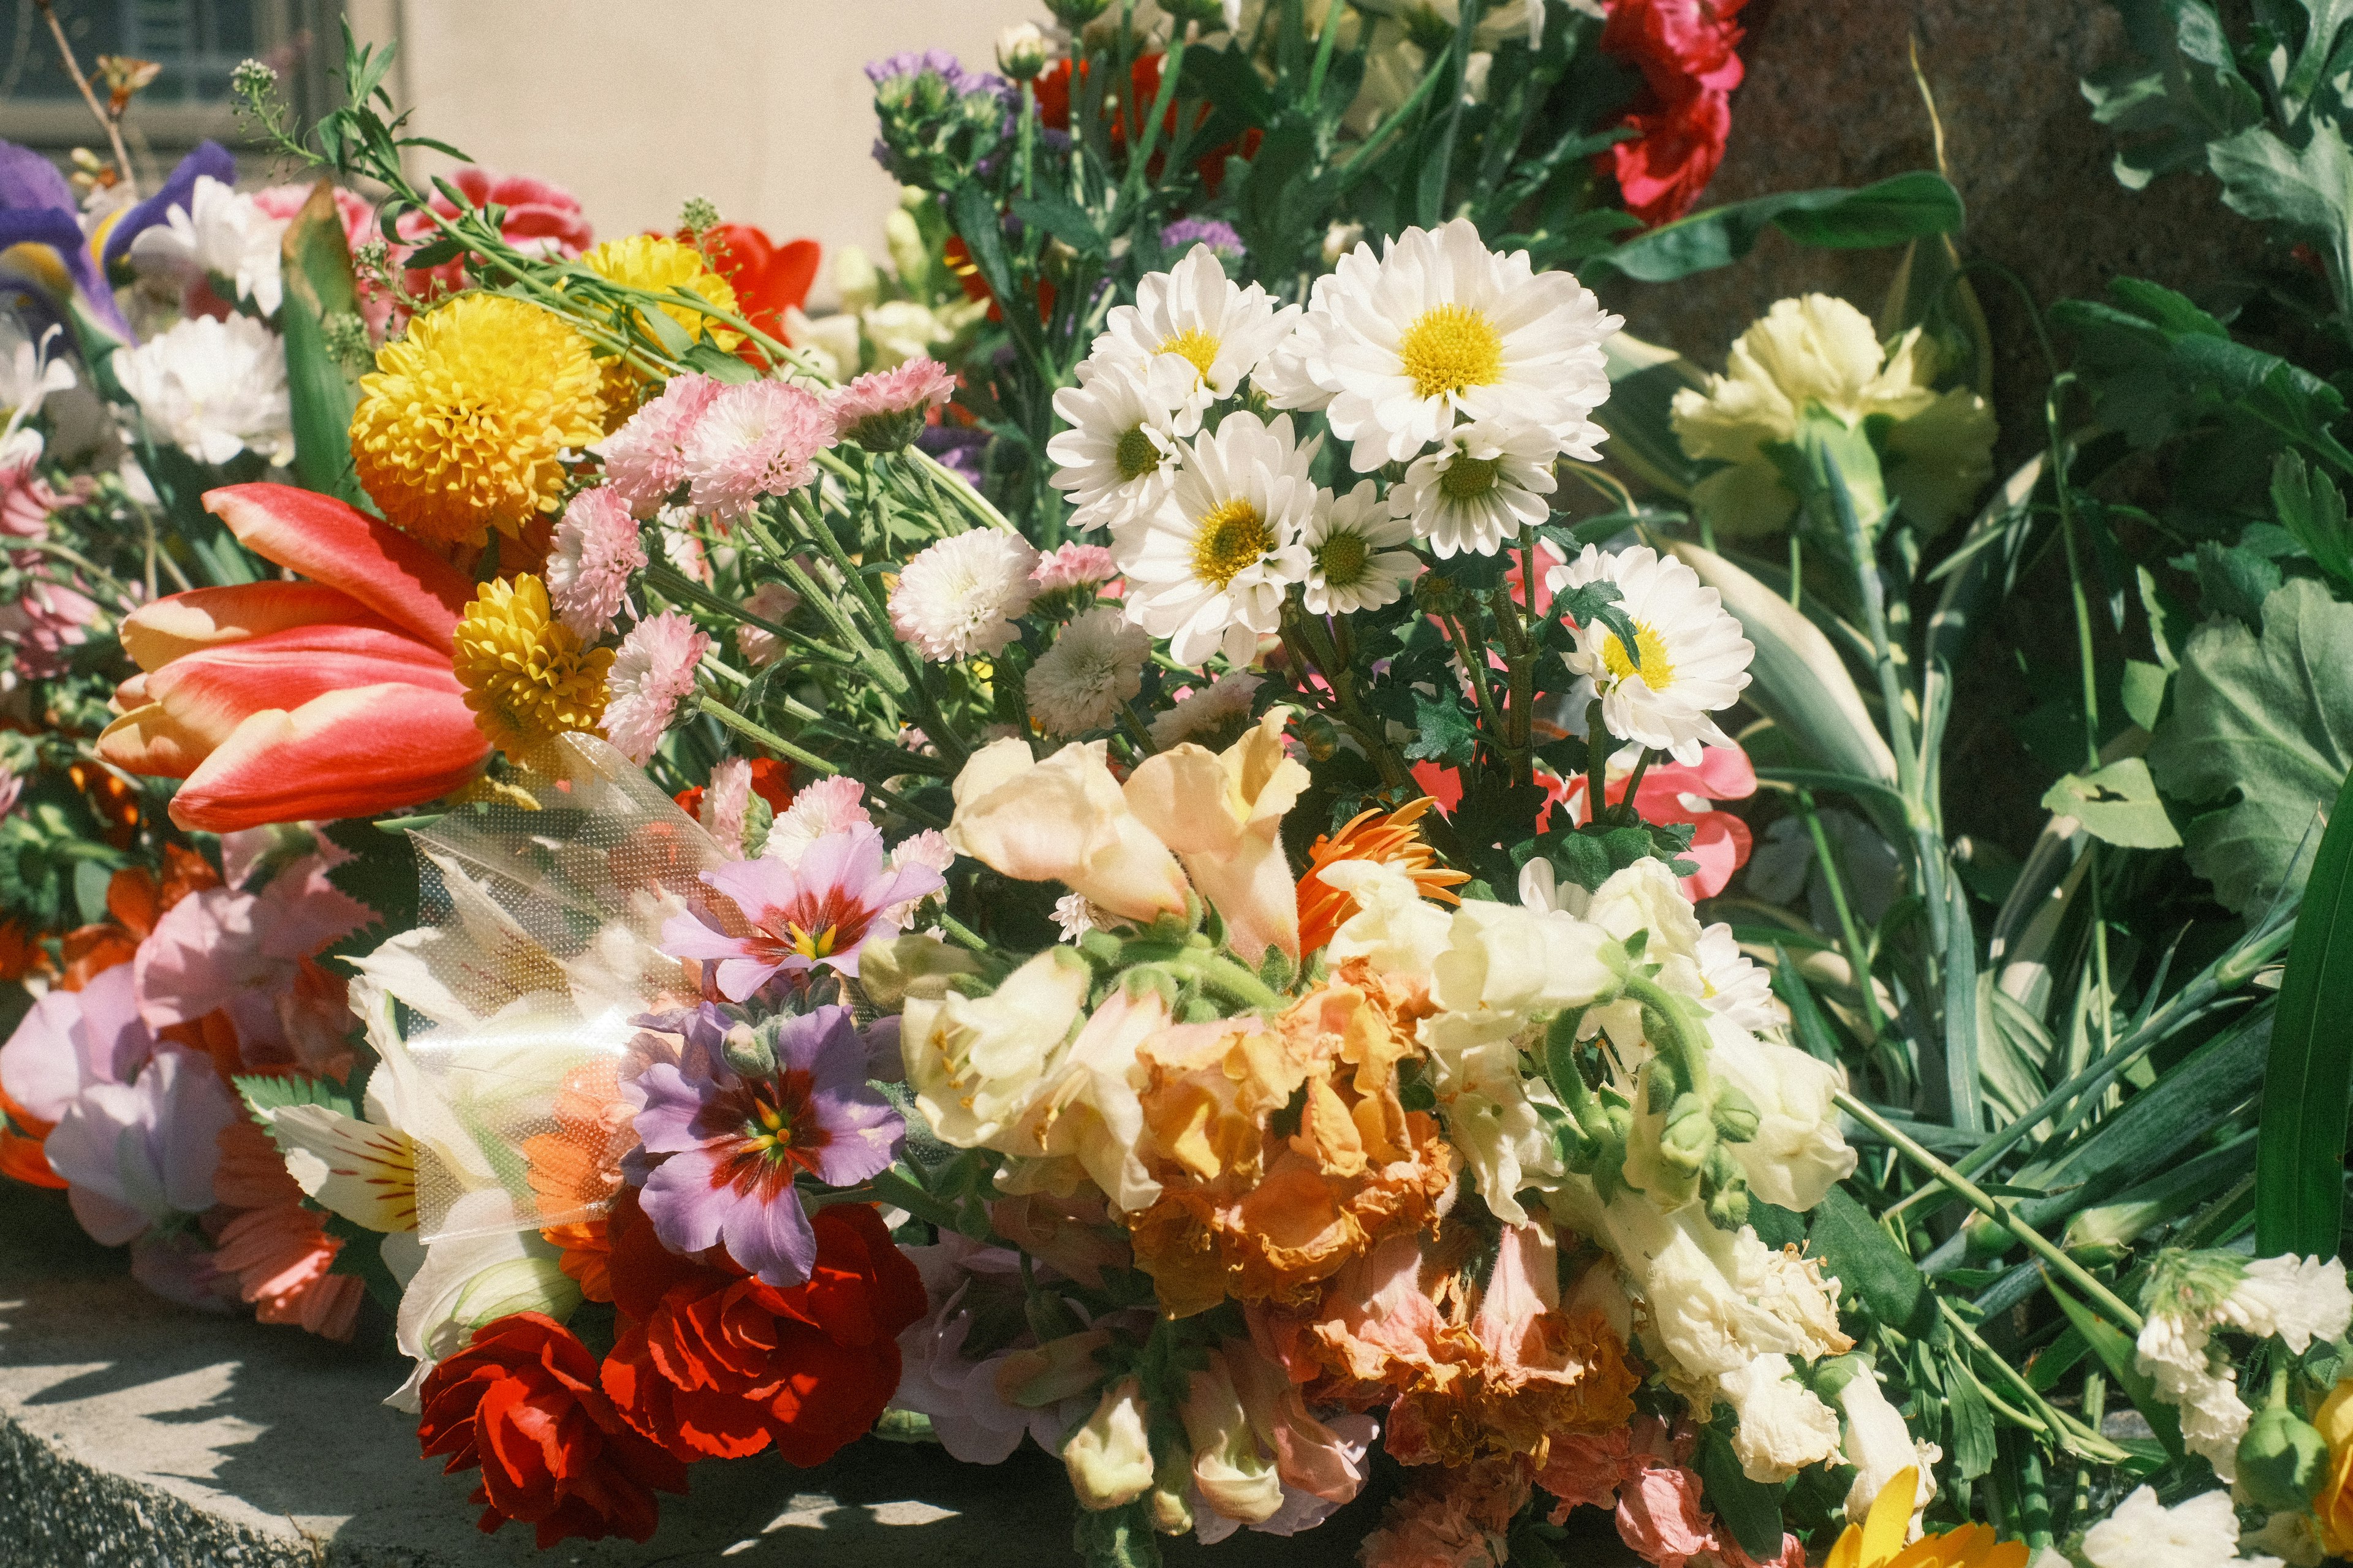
[
  {"x": 522, "y": 1402},
  {"x": 712, "y": 1363}
]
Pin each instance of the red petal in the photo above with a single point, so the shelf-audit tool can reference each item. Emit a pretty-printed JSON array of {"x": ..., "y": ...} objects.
[
  {"x": 211, "y": 693},
  {"x": 155, "y": 634},
  {"x": 344, "y": 548},
  {"x": 149, "y": 741},
  {"x": 357, "y": 752}
]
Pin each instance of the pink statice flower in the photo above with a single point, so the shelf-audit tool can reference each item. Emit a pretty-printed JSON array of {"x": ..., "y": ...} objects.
[
  {"x": 961, "y": 595},
  {"x": 596, "y": 549},
  {"x": 726, "y": 801},
  {"x": 645, "y": 459},
  {"x": 795, "y": 919},
  {"x": 653, "y": 670},
  {"x": 884, "y": 409},
  {"x": 1074, "y": 565},
  {"x": 771, "y": 602},
  {"x": 733, "y": 1140},
  {"x": 835, "y": 804},
  {"x": 757, "y": 439}
]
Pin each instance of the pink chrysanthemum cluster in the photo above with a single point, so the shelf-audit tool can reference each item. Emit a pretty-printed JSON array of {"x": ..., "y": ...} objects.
[
  {"x": 645, "y": 459},
  {"x": 757, "y": 439},
  {"x": 1074, "y": 566},
  {"x": 883, "y": 410},
  {"x": 653, "y": 670},
  {"x": 596, "y": 549}
]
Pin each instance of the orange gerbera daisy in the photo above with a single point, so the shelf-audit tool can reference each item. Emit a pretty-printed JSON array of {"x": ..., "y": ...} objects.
[
  {"x": 279, "y": 1249},
  {"x": 1391, "y": 839}
]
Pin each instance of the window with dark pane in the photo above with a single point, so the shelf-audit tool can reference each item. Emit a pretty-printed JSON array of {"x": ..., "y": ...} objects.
[{"x": 198, "y": 42}]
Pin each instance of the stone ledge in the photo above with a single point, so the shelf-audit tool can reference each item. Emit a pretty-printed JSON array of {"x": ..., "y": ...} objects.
[{"x": 135, "y": 1434}]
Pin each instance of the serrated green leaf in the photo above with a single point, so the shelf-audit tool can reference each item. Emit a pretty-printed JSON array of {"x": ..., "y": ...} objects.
[
  {"x": 1859, "y": 1251},
  {"x": 1445, "y": 731},
  {"x": 266, "y": 1092},
  {"x": 2117, "y": 805},
  {"x": 2272, "y": 718},
  {"x": 2308, "y": 1078},
  {"x": 2312, "y": 510}
]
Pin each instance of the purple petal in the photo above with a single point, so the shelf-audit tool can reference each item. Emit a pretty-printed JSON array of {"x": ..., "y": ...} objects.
[
  {"x": 816, "y": 1042},
  {"x": 665, "y": 1119},
  {"x": 864, "y": 1135},
  {"x": 118, "y": 1044},
  {"x": 773, "y": 1240},
  {"x": 686, "y": 1209},
  {"x": 195, "y": 1109},
  {"x": 179, "y": 190},
  {"x": 884, "y": 1060},
  {"x": 41, "y": 1067}
]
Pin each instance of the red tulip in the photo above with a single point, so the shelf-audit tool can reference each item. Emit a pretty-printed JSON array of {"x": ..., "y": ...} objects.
[
  {"x": 768, "y": 279},
  {"x": 285, "y": 701}
]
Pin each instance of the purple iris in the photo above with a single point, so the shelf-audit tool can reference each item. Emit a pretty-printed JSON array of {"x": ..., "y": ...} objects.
[
  {"x": 1189, "y": 232},
  {"x": 737, "y": 1143},
  {"x": 37, "y": 210},
  {"x": 962, "y": 451}
]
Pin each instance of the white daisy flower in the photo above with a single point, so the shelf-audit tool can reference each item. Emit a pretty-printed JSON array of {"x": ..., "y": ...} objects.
[
  {"x": 961, "y": 595},
  {"x": 1119, "y": 456},
  {"x": 1206, "y": 568},
  {"x": 220, "y": 232},
  {"x": 1472, "y": 495},
  {"x": 1193, "y": 333},
  {"x": 1693, "y": 659},
  {"x": 1093, "y": 667},
  {"x": 1214, "y": 715},
  {"x": 1356, "y": 558},
  {"x": 1397, "y": 346},
  {"x": 1738, "y": 988},
  {"x": 213, "y": 388}
]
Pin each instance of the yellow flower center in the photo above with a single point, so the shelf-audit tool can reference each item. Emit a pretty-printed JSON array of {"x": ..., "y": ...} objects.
[
  {"x": 1657, "y": 672},
  {"x": 813, "y": 944},
  {"x": 1450, "y": 348},
  {"x": 1232, "y": 537},
  {"x": 462, "y": 425},
  {"x": 528, "y": 677},
  {"x": 1195, "y": 346},
  {"x": 1137, "y": 454},
  {"x": 1468, "y": 479},
  {"x": 1341, "y": 559}
]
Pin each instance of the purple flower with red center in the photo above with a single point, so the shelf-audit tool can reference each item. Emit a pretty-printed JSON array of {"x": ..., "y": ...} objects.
[
  {"x": 819, "y": 911},
  {"x": 736, "y": 1137}
]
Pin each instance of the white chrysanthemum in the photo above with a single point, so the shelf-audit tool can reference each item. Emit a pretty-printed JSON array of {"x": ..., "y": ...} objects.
[
  {"x": 1694, "y": 659},
  {"x": 1193, "y": 333},
  {"x": 1119, "y": 456},
  {"x": 960, "y": 596},
  {"x": 1093, "y": 667},
  {"x": 2200, "y": 1532},
  {"x": 1075, "y": 916},
  {"x": 2301, "y": 1300},
  {"x": 2172, "y": 1351},
  {"x": 213, "y": 388},
  {"x": 220, "y": 233},
  {"x": 1214, "y": 715},
  {"x": 30, "y": 372},
  {"x": 1206, "y": 568},
  {"x": 1355, "y": 554},
  {"x": 1737, "y": 988},
  {"x": 1396, "y": 347},
  {"x": 1485, "y": 482}
]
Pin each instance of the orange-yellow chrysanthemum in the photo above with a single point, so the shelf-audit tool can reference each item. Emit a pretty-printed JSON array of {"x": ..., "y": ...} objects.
[
  {"x": 1878, "y": 1541},
  {"x": 651, "y": 262},
  {"x": 1389, "y": 837},
  {"x": 462, "y": 425},
  {"x": 528, "y": 677}
]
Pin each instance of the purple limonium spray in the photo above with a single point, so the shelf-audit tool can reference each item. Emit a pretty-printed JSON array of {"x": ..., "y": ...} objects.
[
  {"x": 1188, "y": 232},
  {"x": 819, "y": 914},
  {"x": 741, "y": 1115}
]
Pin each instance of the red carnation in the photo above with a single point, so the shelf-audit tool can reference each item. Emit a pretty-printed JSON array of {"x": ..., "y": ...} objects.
[
  {"x": 712, "y": 1363},
  {"x": 1685, "y": 51},
  {"x": 521, "y": 1403}
]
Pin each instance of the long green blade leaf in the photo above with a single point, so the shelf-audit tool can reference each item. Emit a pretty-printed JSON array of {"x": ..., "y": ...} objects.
[{"x": 2300, "y": 1149}]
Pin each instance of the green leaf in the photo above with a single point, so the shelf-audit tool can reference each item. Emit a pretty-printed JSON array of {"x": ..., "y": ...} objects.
[
  {"x": 2117, "y": 805},
  {"x": 2311, "y": 509},
  {"x": 2270, "y": 717},
  {"x": 2116, "y": 1354},
  {"x": 1889, "y": 212},
  {"x": 2232, "y": 581},
  {"x": 1859, "y": 1251},
  {"x": 266, "y": 1092},
  {"x": 1639, "y": 413},
  {"x": 1115, "y": 1538},
  {"x": 2143, "y": 690},
  {"x": 2300, "y": 1147},
  {"x": 2303, "y": 188},
  {"x": 1972, "y": 1420},
  {"x": 1061, "y": 217},
  {"x": 1751, "y": 1509},
  {"x": 1446, "y": 731},
  {"x": 321, "y": 390}
]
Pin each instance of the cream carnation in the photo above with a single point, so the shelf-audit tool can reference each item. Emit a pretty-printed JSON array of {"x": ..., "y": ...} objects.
[
  {"x": 1093, "y": 667},
  {"x": 654, "y": 669},
  {"x": 1214, "y": 715},
  {"x": 1694, "y": 659},
  {"x": 961, "y": 595},
  {"x": 213, "y": 388},
  {"x": 596, "y": 549}
]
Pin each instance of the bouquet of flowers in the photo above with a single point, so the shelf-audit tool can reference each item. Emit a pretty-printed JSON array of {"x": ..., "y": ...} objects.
[{"x": 1096, "y": 848}]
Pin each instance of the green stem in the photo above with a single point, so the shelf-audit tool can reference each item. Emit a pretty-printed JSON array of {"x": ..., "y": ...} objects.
[{"x": 783, "y": 747}]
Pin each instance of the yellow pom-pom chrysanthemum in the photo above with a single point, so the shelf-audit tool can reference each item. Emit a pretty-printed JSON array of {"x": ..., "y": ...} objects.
[
  {"x": 461, "y": 426},
  {"x": 528, "y": 677},
  {"x": 657, "y": 265}
]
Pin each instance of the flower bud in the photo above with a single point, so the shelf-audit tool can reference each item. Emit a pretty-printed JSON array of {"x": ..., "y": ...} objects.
[
  {"x": 2282, "y": 1460},
  {"x": 1340, "y": 239},
  {"x": 1736, "y": 1118},
  {"x": 1210, "y": 15},
  {"x": 1022, "y": 51},
  {"x": 747, "y": 1053},
  {"x": 1110, "y": 1458},
  {"x": 1077, "y": 13},
  {"x": 855, "y": 279}
]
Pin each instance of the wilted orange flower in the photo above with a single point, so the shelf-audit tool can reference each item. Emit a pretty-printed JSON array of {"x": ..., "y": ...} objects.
[
  {"x": 1391, "y": 839},
  {"x": 1260, "y": 1204},
  {"x": 575, "y": 1170}
]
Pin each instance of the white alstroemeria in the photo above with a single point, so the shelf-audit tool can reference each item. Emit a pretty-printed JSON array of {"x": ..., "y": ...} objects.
[
  {"x": 1692, "y": 659},
  {"x": 1486, "y": 481},
  {"x": 1359, "y": 554},
  {"x": 212, "y": 389},
  {"x": 220, "y": 233},
  {"x": 1193, "y": 333},
  {"x": 30, "y": 372},
  {"x": 1489, "y": 1107},
  {"x": 1118, "y": 458},
  {"x": 2199, "y": 1532},
  {"x": 471, "y": 1277},
  {"x": 1783, "y": 1426},
  {"x": 1208, "y": 567},
  {"x": 1394, "y": 348}
]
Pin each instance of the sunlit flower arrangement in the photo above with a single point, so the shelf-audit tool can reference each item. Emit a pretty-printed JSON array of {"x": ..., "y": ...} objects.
[{"x": 1134, "y": 843}]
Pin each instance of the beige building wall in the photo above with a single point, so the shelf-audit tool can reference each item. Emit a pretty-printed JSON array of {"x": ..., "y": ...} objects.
[{"x": 761, "y": 105}]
